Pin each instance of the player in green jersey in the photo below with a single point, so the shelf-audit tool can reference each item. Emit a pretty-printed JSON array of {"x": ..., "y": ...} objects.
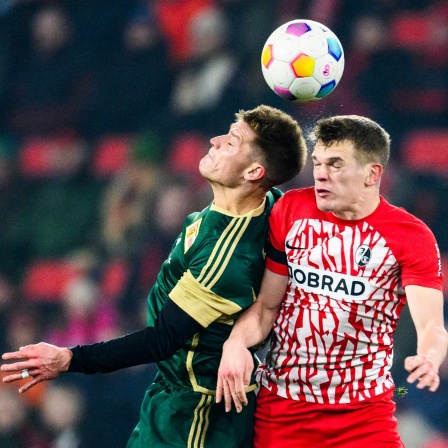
[{"x": 212, "y": 274}]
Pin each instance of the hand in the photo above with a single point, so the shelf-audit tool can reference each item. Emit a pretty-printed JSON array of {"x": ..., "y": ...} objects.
[
  {"x": 423, "y": 370},
  {"x": 234, "y": 375},
  {"x": 42, "y": 361}
]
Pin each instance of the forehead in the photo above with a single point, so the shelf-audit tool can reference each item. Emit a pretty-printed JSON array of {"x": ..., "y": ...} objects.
[
  {"x": 344, "y": 150},
  {"x": 243, "y": 131}
]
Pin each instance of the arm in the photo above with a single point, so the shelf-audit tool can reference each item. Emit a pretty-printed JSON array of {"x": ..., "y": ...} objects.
[
  {"x": 252, "y": 327},
  {"x": 426, "y": 307},
  {"x": 45, "y": 361}
]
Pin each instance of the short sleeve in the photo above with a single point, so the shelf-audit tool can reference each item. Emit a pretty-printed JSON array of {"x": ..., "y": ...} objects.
[{"x": 275, "y": 253}]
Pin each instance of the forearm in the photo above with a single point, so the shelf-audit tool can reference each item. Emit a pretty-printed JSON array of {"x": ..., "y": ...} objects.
[
  {"x": 172, "y": 328},
  {"x": 253, "y": 326},
  {"x": 256, "y": 322},
  {"x": 126, "y": 351},
  {"x": 250, "y": 329},
  {"x": 426, "y": 307},
  {"x": 433, "y": 343}
]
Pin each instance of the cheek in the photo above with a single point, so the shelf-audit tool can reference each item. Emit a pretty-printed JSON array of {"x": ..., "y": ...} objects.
[
  {"x": 353, "y": 186},
  {"x": 347, "y": 185},
  {"x": 234, "y": 165}
]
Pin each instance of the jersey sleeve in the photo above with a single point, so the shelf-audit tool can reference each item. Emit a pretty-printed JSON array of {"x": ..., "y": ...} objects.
[
  {"x": 420, "y": 259},
  {"x": 154, "y": 343},
  {"x": 200, "y": 302},
  {"x": 275, "y": 253},
  {"x": 223, "y": 268}
]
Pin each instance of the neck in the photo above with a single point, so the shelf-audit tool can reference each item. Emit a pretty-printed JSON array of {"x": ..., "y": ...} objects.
[
  {"x": 361, "y": 212},
  {"x": 237, "y": 201}
]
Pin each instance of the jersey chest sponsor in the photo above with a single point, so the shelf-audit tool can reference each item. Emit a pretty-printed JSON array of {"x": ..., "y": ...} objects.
[{"x": 330, "y": 284}]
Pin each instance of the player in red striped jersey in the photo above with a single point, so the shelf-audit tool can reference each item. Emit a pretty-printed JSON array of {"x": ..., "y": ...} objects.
[{"x": 341, "y": 264}]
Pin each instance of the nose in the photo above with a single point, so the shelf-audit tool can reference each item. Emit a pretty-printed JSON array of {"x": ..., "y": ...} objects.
[
  {"x": 320, "y": 173},
  {"x": 216, "y": 142}
]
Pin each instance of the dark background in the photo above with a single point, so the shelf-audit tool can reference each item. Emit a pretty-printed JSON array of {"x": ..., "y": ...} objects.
[{"x": 106, "y": 109}]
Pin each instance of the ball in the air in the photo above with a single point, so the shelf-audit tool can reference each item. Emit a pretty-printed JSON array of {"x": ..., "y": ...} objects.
[{"x": 302, "y": 60}]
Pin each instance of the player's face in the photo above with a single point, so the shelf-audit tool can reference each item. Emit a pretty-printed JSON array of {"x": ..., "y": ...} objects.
[
  {"x": 340, "y": 180},
  {"x": 229, "y": 157}
]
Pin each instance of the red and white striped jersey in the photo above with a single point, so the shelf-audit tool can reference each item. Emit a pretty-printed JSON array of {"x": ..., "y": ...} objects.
[{"x": 332, "y": 339}]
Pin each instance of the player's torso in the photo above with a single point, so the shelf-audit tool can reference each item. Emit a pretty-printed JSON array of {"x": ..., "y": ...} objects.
[
  {"x": 334, "y": 329},
  {"x": 226, "y": 255}
]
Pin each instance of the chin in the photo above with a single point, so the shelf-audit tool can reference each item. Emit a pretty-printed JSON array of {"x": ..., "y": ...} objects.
[
  {"x": 323, "y": 205},
  {"x": 202, "y": 168}
]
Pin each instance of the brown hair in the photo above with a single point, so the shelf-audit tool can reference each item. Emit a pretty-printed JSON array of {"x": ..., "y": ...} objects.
[
  {"x": 371, "y": 141},
  {"x": 279, "y": 142}
]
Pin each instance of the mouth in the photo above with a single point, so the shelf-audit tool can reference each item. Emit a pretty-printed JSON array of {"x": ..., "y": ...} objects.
[{"x": 322, "y": 193}]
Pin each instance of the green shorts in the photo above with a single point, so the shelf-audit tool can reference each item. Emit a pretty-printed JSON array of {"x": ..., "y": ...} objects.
[{"x": 182, "y": 418}]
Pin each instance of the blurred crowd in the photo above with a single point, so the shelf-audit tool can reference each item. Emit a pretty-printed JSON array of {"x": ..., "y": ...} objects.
[{"x": 106, "y": 110}]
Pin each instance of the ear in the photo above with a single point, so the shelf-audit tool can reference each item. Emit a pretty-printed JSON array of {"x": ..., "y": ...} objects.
[
  {"x": 375, "y": 171},
  {"x": 255, "y": 172}
]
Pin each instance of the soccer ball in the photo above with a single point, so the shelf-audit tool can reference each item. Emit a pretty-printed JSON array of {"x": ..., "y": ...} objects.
[{"x": 302, "y": 61}]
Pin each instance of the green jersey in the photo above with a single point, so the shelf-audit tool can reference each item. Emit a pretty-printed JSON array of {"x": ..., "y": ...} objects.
[{"x": 213, "y": 273}]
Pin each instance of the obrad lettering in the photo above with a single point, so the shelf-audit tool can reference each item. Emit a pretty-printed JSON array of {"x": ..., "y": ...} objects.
[{"x": 327, "y": 283}]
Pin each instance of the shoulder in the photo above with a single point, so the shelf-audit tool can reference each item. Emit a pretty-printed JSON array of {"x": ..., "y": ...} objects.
[
  {"x": 275, "y": 194},
  {"x": 303, "y": 199},
  {"x": 302, "y": 194},
  {"x": 196, "y": 216},
  {"x": 408, "y": 236},
  {"x": 399, "y": 217},
  {"x": 272, "y": 196},
  {"x": 414, "y": 246}
]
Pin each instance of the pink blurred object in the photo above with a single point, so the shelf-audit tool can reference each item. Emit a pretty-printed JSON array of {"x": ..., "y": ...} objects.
[
  {"x": 49, "y": 157},
  {"x": 47, "y": 280},
  {"x": 427, "y": 151},
  {"x": 112, "y": 154}
]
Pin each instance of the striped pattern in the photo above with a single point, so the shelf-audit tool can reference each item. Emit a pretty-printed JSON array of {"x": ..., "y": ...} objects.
[
  {"x": 198, "y": 430},
  {"x": 212, "y": 273},
  {"x": 223, "y": 250},
  {"x": 333, "y": 335},
  {"x": 322, "y": 324}
]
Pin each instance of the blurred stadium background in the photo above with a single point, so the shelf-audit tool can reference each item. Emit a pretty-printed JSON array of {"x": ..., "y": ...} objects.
[{"x": 106, "y": 109}]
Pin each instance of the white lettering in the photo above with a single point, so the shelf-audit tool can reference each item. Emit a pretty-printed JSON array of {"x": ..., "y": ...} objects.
[{"x": 331, "y": 284}]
